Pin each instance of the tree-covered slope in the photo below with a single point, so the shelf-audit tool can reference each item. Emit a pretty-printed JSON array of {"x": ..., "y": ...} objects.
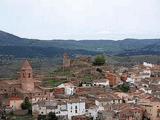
[{"x": 11, "y": 44}]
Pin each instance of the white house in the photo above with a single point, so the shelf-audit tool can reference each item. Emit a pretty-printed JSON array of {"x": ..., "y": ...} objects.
[
  {"x": 102, "y": 101},
  {"x": 101, "y": 82},
  {"x": 130, "y": 80},
  {"x": 44, "y": 107},
  {"x": 68, "y": 108},
  {"x": 145, "y": 74},
  {"x": 146, "y": 90},
  {"x": 147, "y": 64},
  {"x": 86, "y": 84},
  {"x": 68, "y": 87},
  {"x": 61, "y": 109},
  {"x": 75, "y": 108},
  {"x": 38, "y": 98},
  {"x": 92, "y": 111}
]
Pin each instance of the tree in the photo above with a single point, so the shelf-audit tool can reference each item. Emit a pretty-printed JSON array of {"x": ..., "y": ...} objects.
[
  {"x": 99, "y": 70},
  {"x": 41, "y": 117},
  {"x": 52, "y": 116},
  {"x": 26, "y": 105},
  {"x": 99, "y": 60},
  {"x": 80, "y": 84},
  {"x": 124, "y": 87}
]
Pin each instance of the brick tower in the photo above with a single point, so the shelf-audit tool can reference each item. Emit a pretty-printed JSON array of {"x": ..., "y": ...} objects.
[
  {"x": 27, "y": 82},
  {"x": 66, "y": 61},
  {"x": 112, "y": 78}
]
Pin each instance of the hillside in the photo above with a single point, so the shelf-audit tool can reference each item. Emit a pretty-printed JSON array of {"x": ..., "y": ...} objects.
[
  {"x": 22, "y": 47},
  {"x": 34, "y": 51}
]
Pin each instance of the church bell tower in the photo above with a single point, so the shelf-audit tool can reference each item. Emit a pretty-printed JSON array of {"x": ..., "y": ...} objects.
[{"x": 26, "y": 77}]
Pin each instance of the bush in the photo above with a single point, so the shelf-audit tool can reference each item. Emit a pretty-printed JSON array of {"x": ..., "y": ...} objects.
[
  {"x": 41, "y": 117},
  {"x": 52, "y": 116},
  {"x": 80, "y": 84},
  {"x": 26, "y": 105},
  {"x": 99, "y": 60},
  {"x": 124, "y": 88}
]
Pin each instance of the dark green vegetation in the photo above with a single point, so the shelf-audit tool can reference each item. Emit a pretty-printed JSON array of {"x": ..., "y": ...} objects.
[
  {"x": 22, "y": 47},
  {"x": 99, "y": 60},
  {"x": 52, "y": 82},
  {"x": 29, "y": 117},
  {"x": 26, "y": 105},
  {"x": 87, "y": 78},
  {"x": 124, "y": 87},
  {"x": 50, "y": 116}
]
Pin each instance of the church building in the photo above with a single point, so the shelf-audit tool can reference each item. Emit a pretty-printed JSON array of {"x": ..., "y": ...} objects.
[{"x": 25, "y": 86}]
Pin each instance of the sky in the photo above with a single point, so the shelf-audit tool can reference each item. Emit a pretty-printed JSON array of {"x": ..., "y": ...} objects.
[{"x": 81, "y": 19}]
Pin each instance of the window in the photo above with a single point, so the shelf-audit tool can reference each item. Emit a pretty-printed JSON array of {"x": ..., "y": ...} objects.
[
  {"x": 23, "y": 75},
  {"x": 158, "y": 113},
  {"x": 29, "y": 75},
  {"x": 75, "y": 107},
  {"x": 75, "y": 111}
]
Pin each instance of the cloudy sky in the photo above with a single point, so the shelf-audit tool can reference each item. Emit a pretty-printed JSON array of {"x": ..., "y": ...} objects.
[{"x": 81, "y": 19}]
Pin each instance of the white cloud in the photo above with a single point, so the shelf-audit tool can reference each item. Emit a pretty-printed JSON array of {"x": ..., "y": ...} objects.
[
  {"x": 78, "y": 19},
  {"x": 104, "y": 32}
]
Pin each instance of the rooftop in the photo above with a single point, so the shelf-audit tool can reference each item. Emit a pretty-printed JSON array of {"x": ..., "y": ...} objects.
[{"x": 26, "y": 65}]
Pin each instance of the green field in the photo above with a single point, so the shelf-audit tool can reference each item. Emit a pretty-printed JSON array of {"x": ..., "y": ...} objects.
[
  {"x": 54, "y": 83},
  {"x": 27, "y": 117},
  {"x": 87, "y": 78}
]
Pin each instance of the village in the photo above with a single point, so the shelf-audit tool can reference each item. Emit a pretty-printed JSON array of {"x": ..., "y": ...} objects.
[{"x": 80, "y": 90}]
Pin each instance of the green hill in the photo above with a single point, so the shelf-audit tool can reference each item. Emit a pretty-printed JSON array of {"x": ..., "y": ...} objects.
[{"x": 22, "y": 47}]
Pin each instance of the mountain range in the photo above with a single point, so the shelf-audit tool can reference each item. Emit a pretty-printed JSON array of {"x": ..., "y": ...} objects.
[{"x": 23, "y": 47}]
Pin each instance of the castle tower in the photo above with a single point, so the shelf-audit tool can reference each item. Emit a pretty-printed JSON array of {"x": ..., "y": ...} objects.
[
  {"x": 66, "y": 61},
  {"x": 112, "y": 78},
  {"x": 26, "y": 77}
]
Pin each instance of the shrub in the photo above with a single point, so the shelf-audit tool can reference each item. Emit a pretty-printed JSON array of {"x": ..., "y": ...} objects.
[
  {"x": 124, "y": 88},
  {"x": 26, "y": 105},
  {"x": 52, "y": 116},
  {"x": 99, "y": 60}
]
